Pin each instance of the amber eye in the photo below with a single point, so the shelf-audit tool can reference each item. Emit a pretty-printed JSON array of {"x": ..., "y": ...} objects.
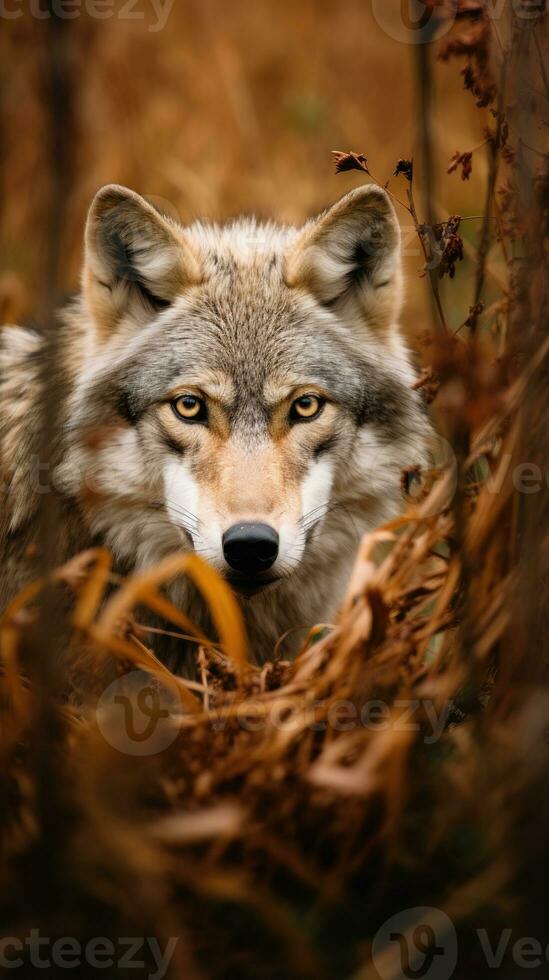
[
  {"x": 306, "y": 408},
  {"x": 190, "y": 408}
]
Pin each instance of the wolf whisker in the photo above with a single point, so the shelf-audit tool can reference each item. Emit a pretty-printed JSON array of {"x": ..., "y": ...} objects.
[
  {"x": 205, "y": 552},
  {"x": 312, "y": 519},
  {"x": 317, "y": 514},
  {"x": 182, "y": 510},
  {"x": 310, "y": 513},
  {"x": 187, "y": 515},
  {"x": 151, "y": 522}
]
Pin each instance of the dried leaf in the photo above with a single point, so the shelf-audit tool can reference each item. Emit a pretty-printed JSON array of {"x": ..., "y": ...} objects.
[{"x": 349, "y": 161}]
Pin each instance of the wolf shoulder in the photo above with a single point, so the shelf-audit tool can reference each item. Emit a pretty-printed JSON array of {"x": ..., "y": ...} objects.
[{"x": 20, "y": 426}]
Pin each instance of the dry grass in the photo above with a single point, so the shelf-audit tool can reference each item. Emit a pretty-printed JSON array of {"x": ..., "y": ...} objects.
[{"x": 277, "y": 830}]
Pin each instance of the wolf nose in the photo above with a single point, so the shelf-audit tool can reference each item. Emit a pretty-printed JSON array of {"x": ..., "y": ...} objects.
[{"x": 250, "y": 548}]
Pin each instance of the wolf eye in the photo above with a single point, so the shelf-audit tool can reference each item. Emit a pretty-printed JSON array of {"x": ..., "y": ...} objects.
[
  {"x": 190, "y": 408},
  {"x": 305, "y": 408}
]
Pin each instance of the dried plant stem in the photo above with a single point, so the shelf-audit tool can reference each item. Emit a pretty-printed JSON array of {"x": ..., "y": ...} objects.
[
  {"x": 425, "y": 90},
  {"x": 486, "y": 234},
  {"x": 430, "y": 261},
  {"x": 528, "y": 635}
]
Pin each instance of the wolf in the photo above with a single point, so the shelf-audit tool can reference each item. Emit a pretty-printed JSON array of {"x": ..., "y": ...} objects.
[{"x": 243, "y": 391}]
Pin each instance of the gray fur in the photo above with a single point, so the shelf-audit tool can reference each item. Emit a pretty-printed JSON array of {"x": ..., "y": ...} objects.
[{"x": 263, "y": 308}]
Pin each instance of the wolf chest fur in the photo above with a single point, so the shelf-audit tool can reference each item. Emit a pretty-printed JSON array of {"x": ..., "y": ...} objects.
[{"x": 243, "y": 391}]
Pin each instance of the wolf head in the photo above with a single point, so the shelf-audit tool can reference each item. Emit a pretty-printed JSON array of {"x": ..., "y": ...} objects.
[{"x": 241, "y": 390}]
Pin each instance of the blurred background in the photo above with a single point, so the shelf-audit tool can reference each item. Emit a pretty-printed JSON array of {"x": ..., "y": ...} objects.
[{"x": 216, "y": 109}]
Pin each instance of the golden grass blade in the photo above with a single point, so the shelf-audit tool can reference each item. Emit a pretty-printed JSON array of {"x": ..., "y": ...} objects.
[
  {"x": 21, "y": 600},
  {"x": 141, "y": 657},
  {"x": 140, "y": 588},
  {"x": 92, "y": 591},
  {"x": 224, "y": 608}
]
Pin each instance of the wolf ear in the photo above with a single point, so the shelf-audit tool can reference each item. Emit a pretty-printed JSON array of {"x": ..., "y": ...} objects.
[
  {"x": 352, "y": 250},
  {"x": 136, "y": 262}
]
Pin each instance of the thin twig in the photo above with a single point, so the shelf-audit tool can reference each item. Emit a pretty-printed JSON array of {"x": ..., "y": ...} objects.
[
  {"x": 485, "y": 237},
  {"x": 425, "y": 88}
]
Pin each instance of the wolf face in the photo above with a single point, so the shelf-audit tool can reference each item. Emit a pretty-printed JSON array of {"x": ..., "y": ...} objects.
[{"x": 241, "y": 391}]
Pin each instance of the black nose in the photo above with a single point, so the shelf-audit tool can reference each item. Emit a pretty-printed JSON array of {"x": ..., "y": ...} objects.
[{"x": 250, "y": 548}]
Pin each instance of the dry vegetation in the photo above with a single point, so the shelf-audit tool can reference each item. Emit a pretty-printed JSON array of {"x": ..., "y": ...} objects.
[{"x": 276, "y": 832}]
